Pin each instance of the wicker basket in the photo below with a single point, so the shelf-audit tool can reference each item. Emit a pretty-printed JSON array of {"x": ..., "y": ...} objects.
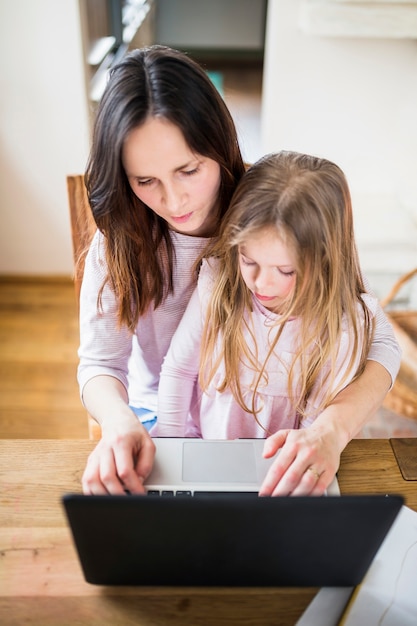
[{"x": 402, "y": 398}]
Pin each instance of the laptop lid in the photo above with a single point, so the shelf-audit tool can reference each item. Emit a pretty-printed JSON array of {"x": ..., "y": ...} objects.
[
  {"x": 199, "y": 466},
  {"x": 228, "y": 541}
]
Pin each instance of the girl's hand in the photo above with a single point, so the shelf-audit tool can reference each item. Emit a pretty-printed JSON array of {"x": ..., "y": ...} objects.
[
  {"x": 307, "y": 462},
  {"x": 120, "y": 462}
]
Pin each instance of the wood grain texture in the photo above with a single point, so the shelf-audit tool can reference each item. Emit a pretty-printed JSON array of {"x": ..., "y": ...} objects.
[
  {"x": 83, "y": 226},
  {"x": 176, "y": 607},
  {"x": 405, "y": 451},
  {"x": 39, "y": 337},
  {"x": 369, "y": 466}
]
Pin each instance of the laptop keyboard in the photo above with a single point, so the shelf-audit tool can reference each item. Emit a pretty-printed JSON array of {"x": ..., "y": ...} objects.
[{"x": 190, "y": 494}]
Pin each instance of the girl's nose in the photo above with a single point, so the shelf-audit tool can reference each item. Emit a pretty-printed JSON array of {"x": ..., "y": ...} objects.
[{"x": 262, "y": 280}]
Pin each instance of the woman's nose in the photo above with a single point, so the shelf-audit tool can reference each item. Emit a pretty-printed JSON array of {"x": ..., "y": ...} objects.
[{"x": 172, "y": 198}]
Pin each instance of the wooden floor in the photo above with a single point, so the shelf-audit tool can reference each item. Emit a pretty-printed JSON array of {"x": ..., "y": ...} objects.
[
  {"x": 38, "y": 360},
  {"x": 39, "y": 338}
]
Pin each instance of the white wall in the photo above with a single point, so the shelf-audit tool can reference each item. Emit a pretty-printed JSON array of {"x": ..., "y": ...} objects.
[
  {"x": 351, "y": 100},
  {"x": 354, "y": 101},
  {"x": 44, "y": 132}
]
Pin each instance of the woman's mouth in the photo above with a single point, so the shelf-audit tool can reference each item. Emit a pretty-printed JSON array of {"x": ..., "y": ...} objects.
[{"x": 182, "y": 218}]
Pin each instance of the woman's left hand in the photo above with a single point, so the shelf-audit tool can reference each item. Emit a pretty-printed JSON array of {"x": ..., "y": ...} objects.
[{"x": 307, "y": 462}]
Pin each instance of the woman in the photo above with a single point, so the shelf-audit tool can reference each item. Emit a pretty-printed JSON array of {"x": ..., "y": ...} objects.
[{"x": 163, "y": 167}]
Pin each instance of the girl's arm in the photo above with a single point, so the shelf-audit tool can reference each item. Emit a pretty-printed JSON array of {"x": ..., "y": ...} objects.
[
  {"x": 179, "y": 374},
  {"x": 319, "y": 446}
]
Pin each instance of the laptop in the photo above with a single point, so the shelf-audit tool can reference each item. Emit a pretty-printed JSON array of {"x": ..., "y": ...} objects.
[
  {"x": 197, "y": 467},
  {"x": 198, "y": 530}
]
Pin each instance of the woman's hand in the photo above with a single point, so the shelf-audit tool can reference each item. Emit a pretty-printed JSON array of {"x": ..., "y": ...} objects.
[
  {"x": 121, "y": 461},
  {"x": 309, "y": 458},
  {"x": 307, "y": 462},
  {"x": 123, "y": 458}
]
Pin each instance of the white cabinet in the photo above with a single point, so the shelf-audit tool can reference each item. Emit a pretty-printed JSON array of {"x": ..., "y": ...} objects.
[{"x": 225, "y": 25}]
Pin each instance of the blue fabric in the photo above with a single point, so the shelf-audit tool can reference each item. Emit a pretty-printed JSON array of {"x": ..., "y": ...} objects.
[
  {"x": 148, "y": 425},
  {"x": 146, "y": 416}
]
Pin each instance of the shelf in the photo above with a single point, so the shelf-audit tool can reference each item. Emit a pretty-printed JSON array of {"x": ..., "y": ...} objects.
[{"x": 357, "y": 18}]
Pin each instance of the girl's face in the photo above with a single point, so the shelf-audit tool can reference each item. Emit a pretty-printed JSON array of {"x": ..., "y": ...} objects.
[
  {"x": 178, "y": 185},
  {"x": 267, "y": 266}
]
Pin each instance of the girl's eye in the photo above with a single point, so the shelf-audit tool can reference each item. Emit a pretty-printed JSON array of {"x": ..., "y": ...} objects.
[
  {"x": 291, "y": 273},
  {"x": 246, "y": 261},
  {"x": 143, "y": 183}
]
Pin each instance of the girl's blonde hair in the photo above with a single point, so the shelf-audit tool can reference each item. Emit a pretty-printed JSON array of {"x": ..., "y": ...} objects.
[{"x": 307, "y": 200}]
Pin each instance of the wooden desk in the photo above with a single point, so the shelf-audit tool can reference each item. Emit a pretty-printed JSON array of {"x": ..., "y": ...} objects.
[{"x": 40, "y": 578}]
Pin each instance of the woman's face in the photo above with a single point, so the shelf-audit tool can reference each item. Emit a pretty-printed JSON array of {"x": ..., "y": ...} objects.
[{"x": 178, "y": 185}]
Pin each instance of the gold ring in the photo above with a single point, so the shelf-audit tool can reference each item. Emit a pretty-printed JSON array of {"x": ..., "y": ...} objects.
[{"x": 314, "y": 471}]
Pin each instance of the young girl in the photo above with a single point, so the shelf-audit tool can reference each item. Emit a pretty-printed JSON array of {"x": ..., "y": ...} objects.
[
  {"x": 280, "y": 322},
  {"x": 164, "y": 164}
]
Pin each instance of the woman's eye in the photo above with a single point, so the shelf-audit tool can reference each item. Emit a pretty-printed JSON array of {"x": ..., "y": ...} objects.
[
  {"x": 291, "y": 273},
  {"x": 190, "y": 172},
  {"x": 143, "y": 183}
]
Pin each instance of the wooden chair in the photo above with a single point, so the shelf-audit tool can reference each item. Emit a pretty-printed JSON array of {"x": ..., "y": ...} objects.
[{"x": 83, "y": 228}]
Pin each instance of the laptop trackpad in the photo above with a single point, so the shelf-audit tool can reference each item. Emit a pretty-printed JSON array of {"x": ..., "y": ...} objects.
[{"x": 219, "y": 463}]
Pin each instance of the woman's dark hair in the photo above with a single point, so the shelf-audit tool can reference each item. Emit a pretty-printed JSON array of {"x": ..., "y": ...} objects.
[{"x": 152, "y": 82}]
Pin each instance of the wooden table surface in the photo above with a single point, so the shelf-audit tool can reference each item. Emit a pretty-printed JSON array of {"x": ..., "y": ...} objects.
[{"x": 41, "y": 581}]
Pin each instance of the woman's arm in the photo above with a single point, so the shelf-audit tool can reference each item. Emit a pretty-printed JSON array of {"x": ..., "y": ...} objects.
[
  {"x": 105, "y": 348},
  {"x": 320, "y": 445},
  {"x": 386, "y": 351},
  {"x": 124, "y": 455}
]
